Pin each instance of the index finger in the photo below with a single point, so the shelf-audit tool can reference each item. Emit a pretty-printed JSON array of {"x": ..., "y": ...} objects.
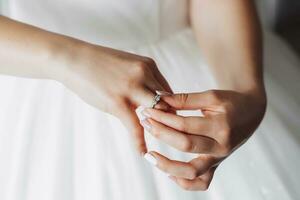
[
  {"x": 192, "y": 101},
  {"x": 191, "y": 125}
]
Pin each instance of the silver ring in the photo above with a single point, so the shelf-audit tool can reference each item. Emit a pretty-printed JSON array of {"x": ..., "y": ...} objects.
[{"x": 155, "y": 100}]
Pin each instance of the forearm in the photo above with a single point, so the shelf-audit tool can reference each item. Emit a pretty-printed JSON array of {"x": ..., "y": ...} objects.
[
  {"x": 229, "y": 34},
  {"x": 28, "y": 51}
]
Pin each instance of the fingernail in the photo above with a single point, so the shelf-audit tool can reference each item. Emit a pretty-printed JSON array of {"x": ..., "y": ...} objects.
[
  {"x": 162, "y": 93},
  {"x": 151, "y": 159},
  {"x": 145, "y": 123},
  {"x": 146, "y": 113},
  {"x": 139, "y": 113}
]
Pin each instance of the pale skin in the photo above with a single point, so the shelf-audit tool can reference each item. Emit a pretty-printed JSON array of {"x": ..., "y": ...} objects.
[
  {"x": 230, "y": 38},
  {"x": 86, "y": 69},
  {"x": 229, "y": 35}
]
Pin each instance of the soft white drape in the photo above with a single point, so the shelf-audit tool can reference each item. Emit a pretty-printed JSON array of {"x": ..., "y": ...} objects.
[{"x": 53, "y": 146}]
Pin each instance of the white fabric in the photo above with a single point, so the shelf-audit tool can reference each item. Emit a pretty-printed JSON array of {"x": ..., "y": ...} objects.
[{"x": 53, "y": 146}]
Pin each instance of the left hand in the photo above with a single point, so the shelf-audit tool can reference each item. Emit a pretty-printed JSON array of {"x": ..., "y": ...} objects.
[{"x": 230, "y": 118}]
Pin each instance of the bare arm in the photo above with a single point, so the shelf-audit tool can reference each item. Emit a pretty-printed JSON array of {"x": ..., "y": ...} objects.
[
  {"x": 230, "y": 38},
  {"x": 86, "y": 69},
  {"x": 229, "y": 34},
  {"x": 28, "y": 51}
]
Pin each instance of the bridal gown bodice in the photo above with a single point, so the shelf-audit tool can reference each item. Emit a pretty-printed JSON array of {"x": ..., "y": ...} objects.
[
  {"x": 53, "y": 146},
  {"x": 114, "y": 23}
]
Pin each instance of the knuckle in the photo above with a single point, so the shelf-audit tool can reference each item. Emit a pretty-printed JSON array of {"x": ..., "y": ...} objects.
[
  {"x": 117, "y": 103},
  {"x": 205, "y": 186},
  {"x": 149, "y": 61},
  {"x": 137, "y": 131},
  {"x": 213, "y": 94},
  {"x": 226, "y": 149},
  {"x": 139, "y": 69},
  {"x": 182, "y": 124},
  {"x": 186, "y": 186},
  {"x": 202, "y": 168},
  {"x": 226, "y": 106},
  {"x": 225, "y": 132},
  {"x": 192, "y": 172},
  {"x": 223, "y": 106},
  {"x": 182, "y": 99},
  {"x": 162, "y": 166},
  {"x": 129, "y": 82},
  {"x": 186, "y": 145},
  {"x": 139, "y": 144}
]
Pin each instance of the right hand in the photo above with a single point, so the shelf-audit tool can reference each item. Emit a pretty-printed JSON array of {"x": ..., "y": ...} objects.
[
  {"x": 229, "y": 118},
  {"x": 115, "y": 82}
]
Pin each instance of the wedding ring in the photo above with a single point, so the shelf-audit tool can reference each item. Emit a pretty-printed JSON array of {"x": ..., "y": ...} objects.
[{"x": 155, "y": 100}]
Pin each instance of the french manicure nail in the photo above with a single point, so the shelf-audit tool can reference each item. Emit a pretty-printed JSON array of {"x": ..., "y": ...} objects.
[
  {"x": 139, "y": 113},
  {"x": 146, "y": 113},
  {"x": 162, "y": 93},
  {"x": 146, "y": 124},
  {"x": 151, "y": 159}
]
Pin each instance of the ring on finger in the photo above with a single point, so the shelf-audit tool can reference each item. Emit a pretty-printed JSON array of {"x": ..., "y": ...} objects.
[{"x": 155, "y": 101}]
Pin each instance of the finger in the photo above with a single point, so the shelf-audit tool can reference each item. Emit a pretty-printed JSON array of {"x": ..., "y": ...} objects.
[
  {"x": 181, "y": 141},
  {"x": 156, "y": 87},
  {"x": 174, "y": 167},
  {"x": 132, "y": 123},
  {"x": 161, "y": 105},
  {"x": 188, "y": 170},
  {"x": 192, "y": 125},
  {"x": 205, "y": 162},
  {"x": 190, "y": 101},
  {"x": 202, "y": 183},
  {"x": 152, "y": 82},
  {"x": 145, "y": 97},
  {"x": 161, "y": 79}
]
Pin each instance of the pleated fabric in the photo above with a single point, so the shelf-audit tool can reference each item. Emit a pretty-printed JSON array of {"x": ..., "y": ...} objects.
[{"x": 55, "y": 146}]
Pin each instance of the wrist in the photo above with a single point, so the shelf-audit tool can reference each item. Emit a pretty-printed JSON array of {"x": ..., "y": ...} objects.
[
  {"x": 63, "y": 51},
  {"x": 244, "y": 83},
  {"x": 252, "y": 87},
  {"x": 257, "y": 98}
]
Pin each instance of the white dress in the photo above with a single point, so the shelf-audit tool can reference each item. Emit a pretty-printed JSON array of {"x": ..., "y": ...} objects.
[{"x": 53, "y": 146}]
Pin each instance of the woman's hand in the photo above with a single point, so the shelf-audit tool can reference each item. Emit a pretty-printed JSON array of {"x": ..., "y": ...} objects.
[
  {"x": 115, "y": 82},
  {"x": 229, "y": 120}
]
